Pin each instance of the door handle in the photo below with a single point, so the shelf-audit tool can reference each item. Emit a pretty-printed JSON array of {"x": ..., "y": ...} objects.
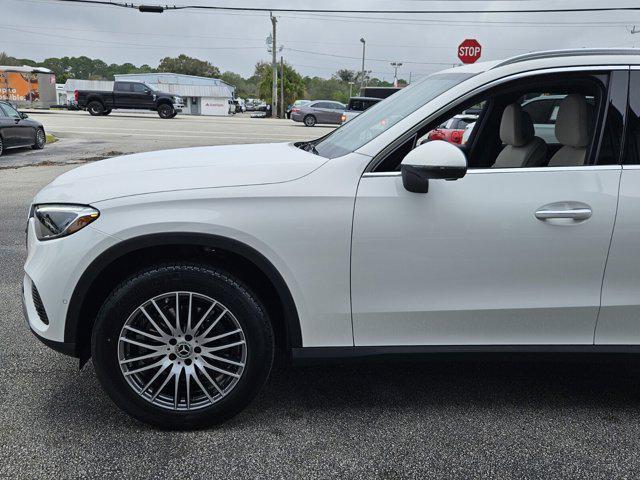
[{"x": 573, "y": 210}]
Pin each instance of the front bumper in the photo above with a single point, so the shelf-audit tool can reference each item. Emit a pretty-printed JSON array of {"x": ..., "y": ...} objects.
[{"x": 35, "y": 323}]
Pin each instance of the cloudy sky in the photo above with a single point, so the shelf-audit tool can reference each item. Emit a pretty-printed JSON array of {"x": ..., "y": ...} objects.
[{"x": 316, "y": 44}]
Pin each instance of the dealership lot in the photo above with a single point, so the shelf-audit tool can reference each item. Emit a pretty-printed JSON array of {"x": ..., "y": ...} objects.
[
  {"x": 83, "y": 137},
  {"x": 408, "y": 420}
]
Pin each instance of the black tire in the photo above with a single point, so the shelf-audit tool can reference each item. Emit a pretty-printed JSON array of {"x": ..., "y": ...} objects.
[
  {"x": 309, "y": 120},
  {"x": 174, "y": 114},
  {"x": 40, "y": 140},
  {"x": 106, "y": 112},
  {"x": 95, "y": 108},
  {"x": 166, "y": 111},
  {"x": 1, "y": 146},
  {"x": 205, "y": 280}
]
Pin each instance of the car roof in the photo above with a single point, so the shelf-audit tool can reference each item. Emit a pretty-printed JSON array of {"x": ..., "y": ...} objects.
[{"x": 365, "y": 98}]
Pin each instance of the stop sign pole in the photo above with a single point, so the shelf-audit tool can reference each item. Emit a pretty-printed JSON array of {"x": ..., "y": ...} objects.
[{"x": 469, "y": 50}]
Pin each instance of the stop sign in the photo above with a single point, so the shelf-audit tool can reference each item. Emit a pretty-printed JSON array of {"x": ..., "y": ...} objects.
[{"x": 469, "y": 51}]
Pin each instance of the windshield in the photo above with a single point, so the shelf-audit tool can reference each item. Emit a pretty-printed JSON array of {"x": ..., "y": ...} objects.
[{"x": 383, "y": 115}]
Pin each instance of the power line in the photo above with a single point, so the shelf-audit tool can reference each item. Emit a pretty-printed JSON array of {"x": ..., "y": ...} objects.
[{"x": 328, "y": 10}]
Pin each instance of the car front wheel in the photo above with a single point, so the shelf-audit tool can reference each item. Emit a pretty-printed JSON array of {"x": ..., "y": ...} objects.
[{"x": 182, "y": 346}]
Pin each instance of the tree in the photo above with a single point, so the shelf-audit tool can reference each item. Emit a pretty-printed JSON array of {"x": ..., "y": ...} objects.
[
  {"x": 293, "y": 83},
  {"x": 345, "y": 75},
  {"x": 188, "y": 66}
]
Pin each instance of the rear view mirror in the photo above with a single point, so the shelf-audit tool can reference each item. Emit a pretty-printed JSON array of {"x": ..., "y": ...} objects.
[
  {"x": 23, "y": 115},
  {"x": 432, "y": 160}
]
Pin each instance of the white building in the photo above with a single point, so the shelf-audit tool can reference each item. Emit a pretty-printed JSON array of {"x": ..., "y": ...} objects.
[{"x": 201, "y": 95}]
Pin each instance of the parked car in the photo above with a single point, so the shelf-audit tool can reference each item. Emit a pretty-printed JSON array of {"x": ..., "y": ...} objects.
[
  {"x": 319, "y": 111},
  {"x": 232, "y": 107},
  {"x": 18, "y": 130},
  {"x": 379, "y": 92},
  {"x": 129, "y": 95},
  {"x": 181, "y": 273},
  {"x": 296, "y": 105},
  {"x": 240, "y": 105},
  {"x": 453, "y": 129},
  {"x": 356, "y": 106}
]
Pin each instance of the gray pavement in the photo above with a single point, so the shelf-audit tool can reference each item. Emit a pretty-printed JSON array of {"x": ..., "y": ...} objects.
[
  {"x": 444, "y": 419},
  {"x": 86, "y": 138}
]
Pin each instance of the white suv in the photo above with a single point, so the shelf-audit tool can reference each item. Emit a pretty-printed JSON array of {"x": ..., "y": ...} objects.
[{"x": 182, "y": 272}]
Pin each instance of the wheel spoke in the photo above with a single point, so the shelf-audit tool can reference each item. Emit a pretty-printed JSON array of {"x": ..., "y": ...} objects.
[
  {"x": 178, "y": 329},
  {"x": 220, "y": 370},
  {"x": 187, "y": 379},
  {"x": 166, "y": 320},
  {"x": 188, "y": 329},
  {"x": 176, "y": 398},
  {"x": 140, "y": 344},
  {"x": 204, "y": 317},
  {"x": 145, "y": 368},
  {"x": 213, "y": 324},
  {"x": 143, "y": 357},
  {"x": 213, "y": 339},
  {"x": 152, "y": 322},
  {"x": 204, "y": 390},
  {"x": 164, "y": 384},
  {"x": 145, "y": 334},
  {"x": 162, "y": 369},
  {"x": 223, "y": 347},
  {"x": 211, "y": 380},
  {"x": 222, "y": 359}
]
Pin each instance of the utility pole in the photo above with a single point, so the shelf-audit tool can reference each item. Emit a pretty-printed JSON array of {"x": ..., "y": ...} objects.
[
  {"x": 409, "y": 78},
  {"x": 282, "y": 114},
  {"x": 364, "y": 44},
  {"x": 274, "y": 66},
  {"x": 350, "y": 88},
  {"x": 395, "y": 66}
]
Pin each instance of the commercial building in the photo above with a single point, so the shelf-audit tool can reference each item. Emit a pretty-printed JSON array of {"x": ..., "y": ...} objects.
[
  {"x": 201, "y": 95},
  {"x": 28, "y": 86}
]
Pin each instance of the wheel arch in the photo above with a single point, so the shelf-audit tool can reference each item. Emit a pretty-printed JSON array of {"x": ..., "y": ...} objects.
[{"x": 117, "y": 262}]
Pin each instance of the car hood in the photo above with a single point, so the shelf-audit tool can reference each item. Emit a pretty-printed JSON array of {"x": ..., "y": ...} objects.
[{"x": 180, "y": 169}]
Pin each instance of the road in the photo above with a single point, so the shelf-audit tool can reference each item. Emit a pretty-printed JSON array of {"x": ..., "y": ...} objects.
[
  {"x": 84, "y": 138},
  {"x": 459, "y": 420}
]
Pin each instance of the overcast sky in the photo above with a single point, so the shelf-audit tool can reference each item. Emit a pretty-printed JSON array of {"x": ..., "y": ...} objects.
[{"x": 313, "y": 44}]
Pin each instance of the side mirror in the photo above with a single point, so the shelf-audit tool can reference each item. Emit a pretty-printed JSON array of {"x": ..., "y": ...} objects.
[
  {"x": 23, "y": 115},
  {"x": 432, "y": 160}
]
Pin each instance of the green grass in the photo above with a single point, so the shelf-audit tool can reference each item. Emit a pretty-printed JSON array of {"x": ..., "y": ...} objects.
[{"x": 51, "y": 138}]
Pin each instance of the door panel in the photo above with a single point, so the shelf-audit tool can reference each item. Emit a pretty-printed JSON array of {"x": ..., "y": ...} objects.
[
  {"x": 469, "y": 263},
  {"x": 619, "y": 320}
]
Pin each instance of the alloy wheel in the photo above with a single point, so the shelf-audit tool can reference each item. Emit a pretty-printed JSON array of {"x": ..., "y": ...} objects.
[
  {"x": 182, "y": 351},
  {"x": 40, "y": 138}
]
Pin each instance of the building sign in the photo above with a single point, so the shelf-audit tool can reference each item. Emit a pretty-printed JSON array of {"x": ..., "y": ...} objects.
[
  {"x": 19, "y": 86},
  {"x": 214, "y": 106}
]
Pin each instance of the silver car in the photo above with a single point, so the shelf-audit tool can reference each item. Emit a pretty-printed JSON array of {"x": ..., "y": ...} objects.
[{"x": 319, "y": 111}]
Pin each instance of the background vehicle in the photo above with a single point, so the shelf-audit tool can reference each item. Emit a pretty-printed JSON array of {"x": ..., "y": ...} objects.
[
  {"x": 129, "y": 95},
  {"x": 379, "y": 92},
  {"x": 296, "y": 105},
  {"x": 319, "y": 111},
  {"x": 453, "y": 129},
  {"x": 18, "y": 130},
  {"x": 357, "y": 105}
]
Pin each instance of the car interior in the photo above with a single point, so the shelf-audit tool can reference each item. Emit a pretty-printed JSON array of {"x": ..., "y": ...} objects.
[{"x": 569, "y": 108}]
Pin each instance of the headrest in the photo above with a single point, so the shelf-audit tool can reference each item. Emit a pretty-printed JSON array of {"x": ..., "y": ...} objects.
[
  {"x": 573, "y": 121},
  {"x": 516, "y": 127}
]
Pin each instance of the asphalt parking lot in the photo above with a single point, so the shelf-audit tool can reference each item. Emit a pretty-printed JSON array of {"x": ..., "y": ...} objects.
[
  {"x": 439, "y": 419},
  {"x": 85, "y": 138}
]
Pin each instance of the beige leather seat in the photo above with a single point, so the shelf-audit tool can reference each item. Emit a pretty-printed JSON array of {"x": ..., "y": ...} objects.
[
  {"x": 572, "y": 131},
  {"x": 523, "y": 148}
]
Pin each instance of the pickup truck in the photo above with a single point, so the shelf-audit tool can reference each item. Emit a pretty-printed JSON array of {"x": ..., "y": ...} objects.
[{"x": 130, "y": 95}]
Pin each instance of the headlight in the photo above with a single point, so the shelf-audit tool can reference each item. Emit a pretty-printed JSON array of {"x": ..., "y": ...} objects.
[{"x": 55, "y": 221}]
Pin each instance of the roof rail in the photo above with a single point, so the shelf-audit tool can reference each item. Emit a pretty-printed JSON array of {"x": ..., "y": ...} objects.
[{"x": 578, "y": 52}]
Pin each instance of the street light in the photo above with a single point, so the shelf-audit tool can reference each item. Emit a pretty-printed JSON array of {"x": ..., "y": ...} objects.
[{"x": 364, "y": 44}]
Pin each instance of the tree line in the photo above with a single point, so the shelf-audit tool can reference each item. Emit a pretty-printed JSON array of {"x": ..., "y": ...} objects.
[{"x": 257, "y": 85}]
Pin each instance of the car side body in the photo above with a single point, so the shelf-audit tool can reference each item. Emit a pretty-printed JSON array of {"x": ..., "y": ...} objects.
[
  {"x": 352, "y": 257},
  {"x": 18, "y": 130},
  {"x": 319, "y": 111}
]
